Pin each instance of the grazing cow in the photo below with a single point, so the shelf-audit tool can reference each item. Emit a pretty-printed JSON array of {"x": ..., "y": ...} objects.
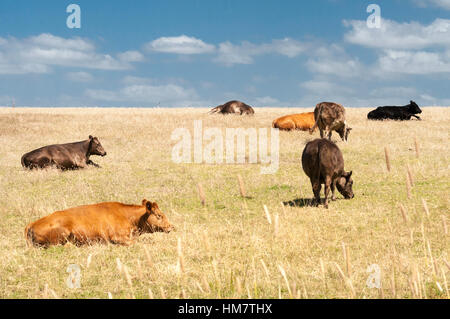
[
  {"x": 323, "y": 162},
  {"x": 302, "y": 121},
  {"x": 115, "y": 223},
  {"x": 330, "y": 117},
  {"x": 233, "y": 107},
  {"x": 401, "y": 113},
  {"x": 64, "y": 156}
]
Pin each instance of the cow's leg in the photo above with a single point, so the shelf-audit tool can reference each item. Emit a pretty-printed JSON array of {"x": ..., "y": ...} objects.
[
  {"x": 121, "y": 240},
  {"x": 43, "y": 162},
  {"x": 321, "y": 133},
  {"x": 329, "y": 134},
  {"x": 417, "y": 117},
  {"x": 333, "y": 190},
  {"x": 327, "y": 190},
  {"x": 57, "y": 236},
  {"x": 316, "y": 186},
  {"x": 122, "y": 237},
  {"x": 89, "y": 162}
]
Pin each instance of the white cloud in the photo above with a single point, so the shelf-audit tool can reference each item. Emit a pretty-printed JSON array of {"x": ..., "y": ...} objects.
[
  {"x": 230, "y": 54},
  {"x": 51, "y": 41},
  {"x": 405, "y": 48},
  {"x": 445, "y": 4},
  {"x": 133, "y": 80},
  {"x": 325, "y": 87},
  {"x": 400, "y": 36},
  {"x": 266, "y": 101},
  {"x": 412, "y": 62},
  {"x": 169, "y": 95},
  {"x": 407, "y": 92},
  {"x": 80, "y": 77},
  {"x": 180, "y": 45},
  {"x": 131, "y": 56},
  {"x": 38, "y": 54},
  {"x": 333, "y": 60}
]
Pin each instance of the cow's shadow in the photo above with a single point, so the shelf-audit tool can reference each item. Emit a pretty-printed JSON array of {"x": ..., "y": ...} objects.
[
  {"x": 300, "y": 202},
  {"x": 307, "y": 202}
]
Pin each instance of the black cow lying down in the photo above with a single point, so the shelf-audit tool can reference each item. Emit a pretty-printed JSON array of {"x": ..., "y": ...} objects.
[
  {"x": 401, "y": 113},
  {"x": 64, "y": 156}
]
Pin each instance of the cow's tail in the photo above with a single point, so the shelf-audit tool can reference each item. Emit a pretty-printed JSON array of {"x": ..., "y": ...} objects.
[
  {"x": 319, "y": 112},
  {"x": 215, "y": 110},
  {"x": 29, "y": 235}
]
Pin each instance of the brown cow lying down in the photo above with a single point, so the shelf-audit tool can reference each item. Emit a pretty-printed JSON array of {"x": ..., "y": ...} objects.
[
  {"x": 323, "y": 162},
  {"x": 64, "y": 156},
  {"x": 330, "y": 117},
  {"x": 302, "y": 121},
  {"x": 233, "y": 107},
  {"x": 115, "y": 223}
]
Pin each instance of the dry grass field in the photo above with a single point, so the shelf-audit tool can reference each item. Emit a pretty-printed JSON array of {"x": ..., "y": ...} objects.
[{"x": 228, "y": 248}]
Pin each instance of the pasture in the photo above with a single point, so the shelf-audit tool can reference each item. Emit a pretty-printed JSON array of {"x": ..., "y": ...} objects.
[{"x": 231, "y": 247}]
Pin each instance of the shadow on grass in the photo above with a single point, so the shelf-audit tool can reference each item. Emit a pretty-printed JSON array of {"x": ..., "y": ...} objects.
[
  {"x": 307, "y": 202},
  {"x": 300, "y": 202}
]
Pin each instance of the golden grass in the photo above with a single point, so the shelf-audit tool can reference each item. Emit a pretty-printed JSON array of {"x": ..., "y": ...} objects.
[{"x": 242, "y": 242}]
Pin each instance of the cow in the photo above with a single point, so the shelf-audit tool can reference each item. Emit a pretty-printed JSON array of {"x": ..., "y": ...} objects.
[
  {"x": 323, "y": 163},
  {"x": 233, "y": 107},
  {"x": 330, "y": 117},
  {"x": 65, "y": 156},
  {"x": 302, "y": 121},
  {"x": 400, "y": 113},
  {"x": 110, "y": 222}
]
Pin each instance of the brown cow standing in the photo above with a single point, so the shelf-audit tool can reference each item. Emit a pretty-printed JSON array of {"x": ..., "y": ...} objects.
[
  {"x": 323, "y": 162},
  {"x": 116, "y": 223},
  {"x": 330, "y": 117},
  {"x": 302, "y": 121},
  {"x": 64, "y": 156},
  {"x": 233, "y": 107}
]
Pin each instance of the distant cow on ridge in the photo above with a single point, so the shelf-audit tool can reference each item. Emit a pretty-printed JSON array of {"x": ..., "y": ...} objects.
[
  {"x": 233, "y": 107},
  {"x": 401, "y": 113},
  {"x": 302, "y": 121},
  {"x": 64, "y": 156},
  {"x": 323, "y": 162},
  {"x": 113, "y": 222},
  {"x": 330, "y": 117}
]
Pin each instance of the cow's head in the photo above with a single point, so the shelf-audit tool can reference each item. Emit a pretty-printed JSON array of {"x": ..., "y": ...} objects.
[
  {"x": 95, "y": 147},
  {"x": 414, "y": 108},
  {"x": 345, "y": 185},
  {"x": 344, "y": 132},
  {"x": 154, "y": 220}
]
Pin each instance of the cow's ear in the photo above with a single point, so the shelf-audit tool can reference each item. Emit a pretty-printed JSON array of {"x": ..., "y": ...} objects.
[
  {"x": 349, "y": 174},
  {"x": 91, "y": 137},
  {"x": 143, "y": 202},
  {"x": 349, "y": 129}
]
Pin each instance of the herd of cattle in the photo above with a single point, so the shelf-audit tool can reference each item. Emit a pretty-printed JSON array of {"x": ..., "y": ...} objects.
[{"x": 118, "y": 223}]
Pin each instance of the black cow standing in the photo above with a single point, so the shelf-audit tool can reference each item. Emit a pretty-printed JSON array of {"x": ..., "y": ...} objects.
[
  {"x": 323, "y": 162},
  {"x": 401, "y": 113}
]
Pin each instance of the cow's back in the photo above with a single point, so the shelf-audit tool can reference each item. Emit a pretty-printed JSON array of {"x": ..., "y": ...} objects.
[
  {"x": 322, "y": 158},
  {"x": 98, "y": 221},
  {"x": 61, "y": 155},
  {"x": 302, "y": 121}
]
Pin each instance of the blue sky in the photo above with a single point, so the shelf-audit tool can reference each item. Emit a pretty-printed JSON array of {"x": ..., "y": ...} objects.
[{"x": 202, "y": 53}]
